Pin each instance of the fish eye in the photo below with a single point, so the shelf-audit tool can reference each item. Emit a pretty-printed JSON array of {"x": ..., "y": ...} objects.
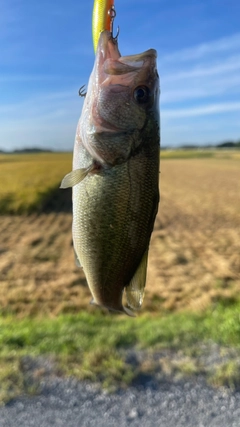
[{"x": 141, "y": 94}]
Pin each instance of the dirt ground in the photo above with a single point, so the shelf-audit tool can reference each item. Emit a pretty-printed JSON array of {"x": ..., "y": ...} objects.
[{"x": 194, "y": 257}]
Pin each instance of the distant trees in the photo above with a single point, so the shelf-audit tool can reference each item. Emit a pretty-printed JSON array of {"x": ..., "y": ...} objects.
[
  {"x": 225, "y": 144},
  {"x": 27, "y": 150},
  {"x": 33, "y": 150},
  {"x": 229, "y": 144}
]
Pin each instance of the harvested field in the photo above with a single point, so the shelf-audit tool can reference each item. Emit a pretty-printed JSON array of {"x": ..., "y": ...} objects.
[
  {"x": 195, "y": 248},
  {"x": 194, "y": 258}
]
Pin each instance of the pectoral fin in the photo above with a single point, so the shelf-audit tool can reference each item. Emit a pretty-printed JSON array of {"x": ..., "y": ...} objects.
[
  {"x": 135, "y": 289},
  {"x": 75, "y": 177}
]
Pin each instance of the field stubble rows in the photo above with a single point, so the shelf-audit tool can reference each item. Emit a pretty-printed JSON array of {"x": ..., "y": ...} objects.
[{"x": 194, "y": 257}]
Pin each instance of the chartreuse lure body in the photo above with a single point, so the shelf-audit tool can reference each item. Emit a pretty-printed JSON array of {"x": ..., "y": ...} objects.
[{"x": 101, "y": 19}]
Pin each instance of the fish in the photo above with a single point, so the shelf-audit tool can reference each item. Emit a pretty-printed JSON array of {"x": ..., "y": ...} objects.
[{"x": 115, "y": 176}]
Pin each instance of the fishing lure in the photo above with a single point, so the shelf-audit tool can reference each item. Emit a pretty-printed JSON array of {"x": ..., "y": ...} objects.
[{"x": 102, "y": 19}]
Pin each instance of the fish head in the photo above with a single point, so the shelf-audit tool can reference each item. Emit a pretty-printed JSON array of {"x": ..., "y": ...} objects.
[{"x": 122, "y": 102}]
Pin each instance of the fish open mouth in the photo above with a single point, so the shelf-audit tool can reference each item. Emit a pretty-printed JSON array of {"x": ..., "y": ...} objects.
[{"x": 110, "y": 62}]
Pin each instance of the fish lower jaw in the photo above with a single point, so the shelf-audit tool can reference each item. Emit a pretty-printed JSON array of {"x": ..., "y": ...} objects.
[{"x": 119, "y": 310}]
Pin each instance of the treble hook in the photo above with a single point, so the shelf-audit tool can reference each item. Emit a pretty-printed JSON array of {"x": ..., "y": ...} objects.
[
  {"x": 82, "y": 92},
  {"x": 112, "y": 13}
]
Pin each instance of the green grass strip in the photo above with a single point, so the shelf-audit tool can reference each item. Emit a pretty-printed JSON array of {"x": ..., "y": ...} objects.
[{"x": 68, "y": 334}]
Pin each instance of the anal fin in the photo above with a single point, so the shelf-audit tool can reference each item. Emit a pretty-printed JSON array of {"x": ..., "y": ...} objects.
[{"x": 135, "y": 289}]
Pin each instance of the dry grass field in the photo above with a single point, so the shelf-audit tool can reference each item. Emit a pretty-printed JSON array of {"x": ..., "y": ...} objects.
[{"x": 194, "y": 258}]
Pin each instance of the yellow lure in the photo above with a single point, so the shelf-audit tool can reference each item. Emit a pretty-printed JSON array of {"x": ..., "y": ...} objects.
[{"x": 101, "y": 19}]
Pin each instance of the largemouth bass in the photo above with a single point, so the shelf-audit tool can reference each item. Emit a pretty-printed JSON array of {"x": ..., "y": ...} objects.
[{"x": 115, "y": 174}]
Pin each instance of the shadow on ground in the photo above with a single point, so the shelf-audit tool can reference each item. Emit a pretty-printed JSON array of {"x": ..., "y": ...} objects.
[{"x": 57, "y": 200}]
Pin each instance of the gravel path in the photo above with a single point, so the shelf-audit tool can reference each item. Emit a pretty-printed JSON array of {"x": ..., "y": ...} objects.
[{"x": 70, "y": 403}]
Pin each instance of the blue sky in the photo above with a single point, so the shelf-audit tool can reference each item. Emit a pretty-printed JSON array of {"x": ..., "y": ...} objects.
[{"x": 46, "y": 54}]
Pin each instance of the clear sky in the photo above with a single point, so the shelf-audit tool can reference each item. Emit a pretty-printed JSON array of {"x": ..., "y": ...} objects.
[{"x": 46, "y": 54}]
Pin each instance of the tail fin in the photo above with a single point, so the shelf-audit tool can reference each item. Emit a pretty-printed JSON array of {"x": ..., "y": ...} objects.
[
  {"x": 128, "y": 312},
  {"x": 120, "y": 310}
]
